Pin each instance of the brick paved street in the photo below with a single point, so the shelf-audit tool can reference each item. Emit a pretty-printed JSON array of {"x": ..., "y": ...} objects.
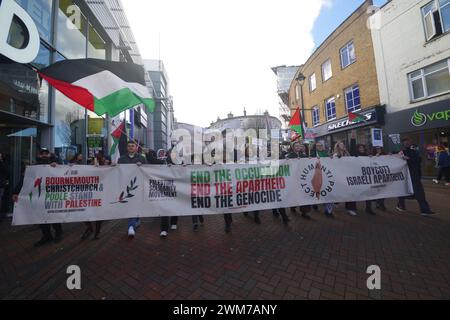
[{"x": 319, "y": 259}]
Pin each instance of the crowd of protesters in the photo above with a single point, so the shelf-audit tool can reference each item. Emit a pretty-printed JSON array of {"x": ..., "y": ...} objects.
[{"x": 297, "y": 150}]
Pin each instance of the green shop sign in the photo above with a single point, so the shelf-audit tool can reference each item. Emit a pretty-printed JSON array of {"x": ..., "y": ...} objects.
[{"x": 419, "y": 119}]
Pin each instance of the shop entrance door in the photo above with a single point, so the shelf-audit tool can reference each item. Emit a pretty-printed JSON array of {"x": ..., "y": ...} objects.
[{"x": 18, "y": 149}]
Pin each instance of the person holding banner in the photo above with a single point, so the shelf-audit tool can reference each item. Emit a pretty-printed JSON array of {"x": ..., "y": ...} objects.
[
  {"x": 132, "y": 157},
  {"x": 414, "y": 161},
  {"x": 340, "y": 150},
  {"x": 359, "y": 151},
  {"x": 320, "y": 152},
  {"x": 99, "y": 161},
  {"x": 298, "y": 151},
  {"x": 44, "y": 158}
]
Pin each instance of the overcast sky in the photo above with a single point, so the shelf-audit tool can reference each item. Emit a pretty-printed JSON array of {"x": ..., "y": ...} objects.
[{"x": 218, "y": 53}]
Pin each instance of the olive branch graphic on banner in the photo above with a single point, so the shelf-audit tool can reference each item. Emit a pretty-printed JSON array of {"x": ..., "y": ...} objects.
[{"x": 130, "y": 188}]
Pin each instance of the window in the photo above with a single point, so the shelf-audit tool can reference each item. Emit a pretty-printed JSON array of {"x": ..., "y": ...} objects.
[
  {"x": 430, "y": 81},
  {"x": 436, "y": 18},
  {"x": 96, "y": 45},
  {"x": 330, "y": 106},
  {"x": 71, "y": 33},
  {"x": 352, "y": 99},
  {"x": 41, "y": 13},
  {"x": 348, "y": 55},
  {"x": 316, "y": 116},
  {"x": 312, "y": 82},
  {"x": 327, "y": 72}
]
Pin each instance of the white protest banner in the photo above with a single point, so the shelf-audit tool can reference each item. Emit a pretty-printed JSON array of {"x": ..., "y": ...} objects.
[{"x": 87, "y": 193}]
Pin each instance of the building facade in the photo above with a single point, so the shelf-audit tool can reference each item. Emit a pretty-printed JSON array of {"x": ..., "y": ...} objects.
[
  {"x": 245, "y": 122},
  {"x": 412, "y": 49},
  {"x": 33, "y": 115},
  {"x": 338, "y": 78},
  {"x": 163, "y": 117}
]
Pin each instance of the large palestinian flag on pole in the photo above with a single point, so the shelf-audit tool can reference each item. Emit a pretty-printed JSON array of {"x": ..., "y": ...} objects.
[{"x": 104, "y": 87}]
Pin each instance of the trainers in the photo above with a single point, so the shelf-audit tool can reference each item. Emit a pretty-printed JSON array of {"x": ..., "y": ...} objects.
[
  {"x": 447, "y": 184},
  {"x": 329, "y": 214},
  {"x": 436, "y": 181},
  {"x": 43, "y": 242},
  {"x": 131, "y": 232},
  {"x": 352, "y": 213},
  {"x": 195, "y": 227},
  {"x": 428, "y": 214},
  {"x": 163, "y": 234},
  {"x": 371, "y": 212},
  {"x": 400, "y": 209},
  {"x": 174, "y": 227}
]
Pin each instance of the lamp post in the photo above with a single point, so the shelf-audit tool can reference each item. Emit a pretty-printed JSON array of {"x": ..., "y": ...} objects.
[{"x": 301, "y": 81}]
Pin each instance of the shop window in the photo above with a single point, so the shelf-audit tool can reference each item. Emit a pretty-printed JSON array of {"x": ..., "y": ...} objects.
[
  {"x": 22, "y": 92},
  {"x": 352, "y": 99},
  {"x": 330, "y": 107},
  {"x": 348, "y": 55},
  {"x": 436, "y": 18},
  {"x": 327, "y": 71},
  {"x": 430, "y": 81}
]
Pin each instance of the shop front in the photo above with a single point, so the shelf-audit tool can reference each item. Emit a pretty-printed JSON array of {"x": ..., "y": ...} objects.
[
  {"x": 341, "y": 130},
  {"x": 428, "y": 126}
]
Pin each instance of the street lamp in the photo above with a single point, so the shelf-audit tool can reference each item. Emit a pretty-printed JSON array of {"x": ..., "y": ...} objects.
[{"x": 301, "y": 81}]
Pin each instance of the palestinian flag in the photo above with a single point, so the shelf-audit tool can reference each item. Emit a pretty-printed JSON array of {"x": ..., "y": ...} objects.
[
  {"x": 355, "y": 117},
  {"x": 118, "y": 129},
  {"x": 104, "y": 87},
  {"x": 296, "y": 125}
]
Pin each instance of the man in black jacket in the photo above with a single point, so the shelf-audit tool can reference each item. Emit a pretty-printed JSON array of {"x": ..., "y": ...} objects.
[
  {"x": 44, "y": 158},
  {"x": 414, "y": 164},
  {"x": 132, "y": 157}
]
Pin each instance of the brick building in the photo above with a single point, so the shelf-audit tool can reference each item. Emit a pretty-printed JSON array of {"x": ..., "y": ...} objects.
[{"x": 340, "y": 76}]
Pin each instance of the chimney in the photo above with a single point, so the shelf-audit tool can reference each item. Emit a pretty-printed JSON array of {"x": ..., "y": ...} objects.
[{"x": 230, "y": 116}]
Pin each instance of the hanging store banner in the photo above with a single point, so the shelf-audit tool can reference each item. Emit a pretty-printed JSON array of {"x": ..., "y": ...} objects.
[{"x": 87, "y": 193}]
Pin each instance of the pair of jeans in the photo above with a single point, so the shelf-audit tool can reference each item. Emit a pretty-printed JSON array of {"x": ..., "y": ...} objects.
[
  {"x": 165, "y": 223},
  {"x": 281, "y": 212},
  {"x": 228, "y": 219},
  {"x": 352, "y": 206},
  {"x": 47, "y": 231},
  {"x": 196, "y": 219},
  {"x": 133, "y": 222},
  {"x": 329, "y": 208}
]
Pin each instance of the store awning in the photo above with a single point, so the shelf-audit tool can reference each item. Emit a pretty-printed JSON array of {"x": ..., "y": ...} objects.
[{"x": 8, "y": 118}]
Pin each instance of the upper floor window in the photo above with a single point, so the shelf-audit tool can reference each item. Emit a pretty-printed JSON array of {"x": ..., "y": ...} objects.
[
  {"x": 430, "y": 81},
  {"x": 316, "y": 116},
  {"x": 348, "y": 55},
  {"x": 330, "y": 108},
  {"x": 312, "y": 82},
  {"x": 436, "y": 18},
  {"x": 352, "y": 99},
  {"x": 327, "y": 72},
  {"x": 297, "y": 92}
]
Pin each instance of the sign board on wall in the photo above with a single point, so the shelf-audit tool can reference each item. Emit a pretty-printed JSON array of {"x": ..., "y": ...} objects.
[
  {"x": 377, "y": 137},
  {"x": 12, "y": 14}
]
